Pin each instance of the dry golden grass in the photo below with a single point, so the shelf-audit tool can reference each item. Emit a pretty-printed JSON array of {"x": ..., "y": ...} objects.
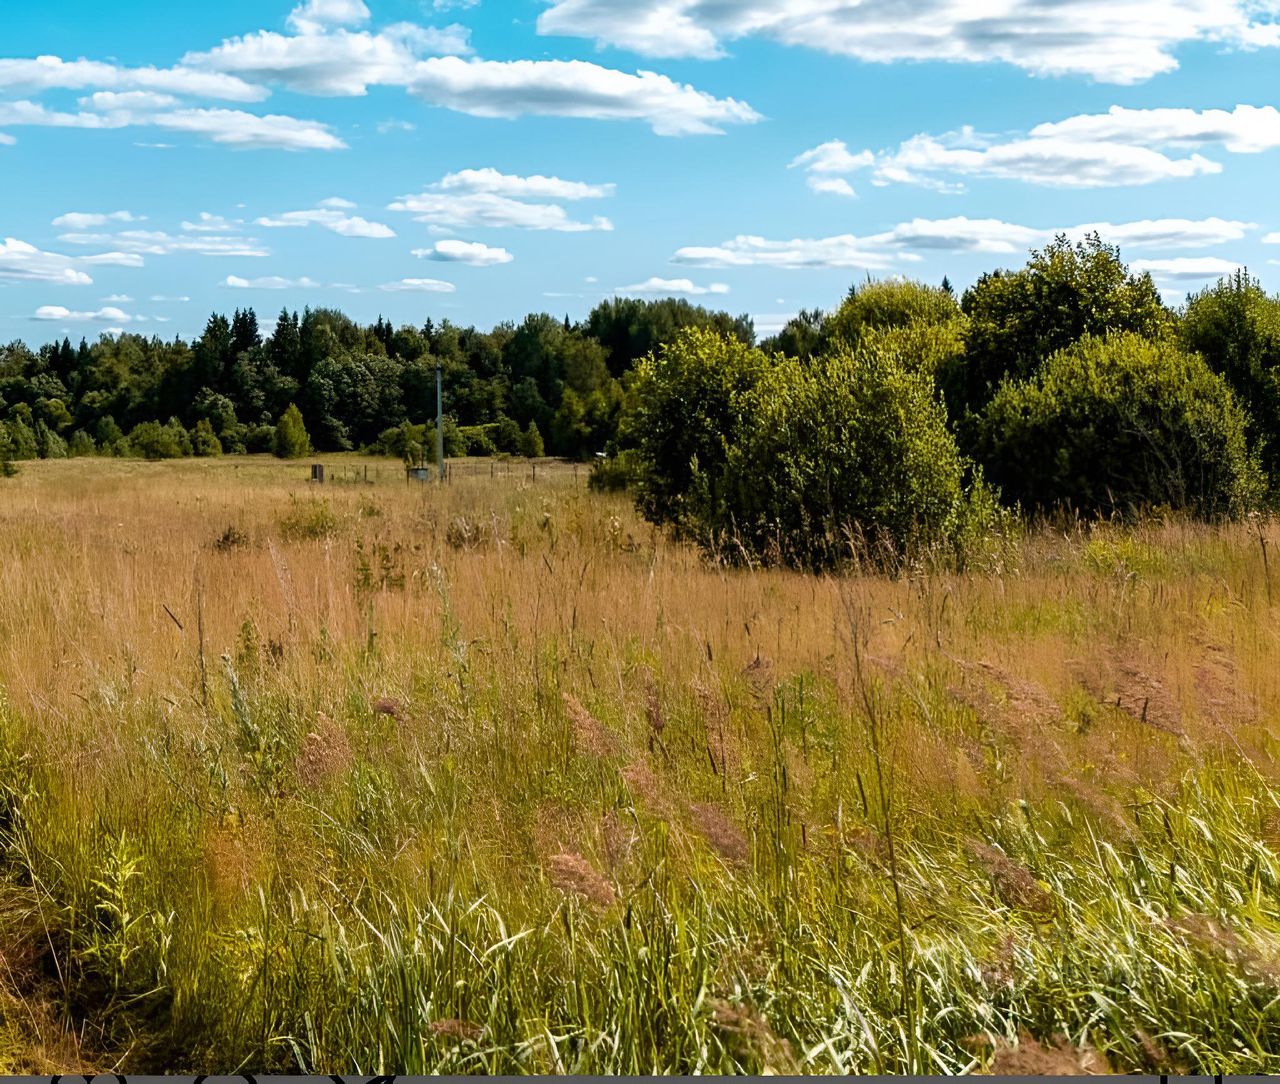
[{"x": 361, "y": 706}]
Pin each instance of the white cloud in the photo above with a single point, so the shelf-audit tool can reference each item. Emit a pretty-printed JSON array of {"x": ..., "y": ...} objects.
[
  {"x": 387, "y": 126},
  {"x": 429, "y": 62},
  {"x": 475, "y": 253},
  {"x": 314, "y": 15},
  {"x": 6, "y": 140},
  {"x": 842, "y": 251},
  {"x": 175, "y": 300},
  {"x": 428, "y": 286},
  {"x": 831, "y": 186},
  {"x": 1247, "y": 129},
  {"x": 52, "y": 73},
  {"x": 80, "y": 220},
  {"x": 331, "y": 219},
  {"x": 103, "y": 315},
  {"x": 478, "y": 198},
  {"x": 668, "y": 287},
  {"x": 574, "y": 88},
  {"x": 534, "y": 187},
  {"x": 450, "y": 5},
  {"x": 337, "y": 203},
  {"x": 1271, "y": 239},
  {"x": 1122, "y": 41},
  {"x": 1186, "y": 268},
  {"x": 831, "y": 157},
  {"x": 159, "y": 243},
  {"x": 119, "y": 299},
  {"x": 340, "y": 63},
  {"x": 232, "y": 127},
  {"x": 111, "y": 100},
  {"x": 905, "y": 242},
  {"x": 1051, "y": 161},
  {"x": 209, "y": 224},
  {"x": 235, "y": 128},
  {"x": 1119, "y": 147},
  {"x": 268, "y": 282},
  {"x": 22, "y": 262}
]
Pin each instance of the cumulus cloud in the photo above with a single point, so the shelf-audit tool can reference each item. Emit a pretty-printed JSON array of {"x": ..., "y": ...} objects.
[
  {"x": 231, "y": 127},
  {"x": 331, "y": 218},
  {"x": 338, "y": 63},
  {"x": 268, "y": 282},
  {"x": 1124, "y": 41},
  {"x": 824, "y": 164},
  {"x": 1183, "y": 269},
  {"x": 905, "y": 242},
  {"x": 475, "y": 253},
  {"x": 425, "y": 286},
  {"x": 209, "y": 223},
  {"x": 314, "y": 15},
  {"x": 534, "y": 187},
  {"x": 668, "y": 287},
  {"x": 160, "y": 243},
  {"x": 106, "y": 315},
  {"x": 80, "y": 220},
  {"x": 574, "y": 88},
  {"x": 42, "y": 73},
  {"x": 23, "y": 262},
  {"x": 487, "y": 198},
  {"x": 1119, "y": 147},
  {"x": 110, "y": 100}
]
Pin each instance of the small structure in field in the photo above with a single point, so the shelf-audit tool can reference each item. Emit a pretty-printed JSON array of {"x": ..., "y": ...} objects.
[
  {"x": 418, "y": 474},
  {"x": 317, "y": 473}
]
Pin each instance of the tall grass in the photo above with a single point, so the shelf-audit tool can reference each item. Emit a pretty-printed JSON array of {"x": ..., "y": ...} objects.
[{"x": 491, "y": 778}]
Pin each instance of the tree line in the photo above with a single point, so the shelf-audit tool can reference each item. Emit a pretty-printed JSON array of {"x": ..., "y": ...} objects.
[{"x": 544, "y": 386}]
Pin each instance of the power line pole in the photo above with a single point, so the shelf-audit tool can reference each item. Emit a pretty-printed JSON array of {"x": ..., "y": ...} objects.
[{"x": 439, "y": 420}]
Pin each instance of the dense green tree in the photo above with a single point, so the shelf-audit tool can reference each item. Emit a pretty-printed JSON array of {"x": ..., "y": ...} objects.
[
  {"x": 630, "y": 329},
  {"x": 291, "y": 439},
  {"x": 888, "y": 303},
  {"x": 204, "y": 441},
  {"x": 1118, "y": 424},
  {"x": 1235, "y": 327},
  {"x": 531, "y": 443},
  {"x": 1018, "y": 319},
  {"x": 687, "y": 410}
]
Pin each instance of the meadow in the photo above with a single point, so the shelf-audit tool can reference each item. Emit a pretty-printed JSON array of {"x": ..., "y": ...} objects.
[{"x": 495, "y": 777}]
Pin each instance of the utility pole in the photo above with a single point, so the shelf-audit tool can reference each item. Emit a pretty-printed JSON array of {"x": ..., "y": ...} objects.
[{"x": 439, "y": 420}]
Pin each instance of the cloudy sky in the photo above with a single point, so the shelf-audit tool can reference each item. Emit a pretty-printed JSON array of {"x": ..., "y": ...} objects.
[{"x": 478, "y": 159}]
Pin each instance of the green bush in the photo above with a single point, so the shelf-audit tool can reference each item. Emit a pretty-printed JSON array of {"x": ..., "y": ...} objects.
[
  {"x": 847, "y": 456},
  {"x": 886, "y": 304},
  {"x": 7, "y": 466},
  {"x": 478, "y": 439},
  {"x": 291, "y": 440},
  {"x": 804, "y": 463},
  {"x": 531, "y": 443},
  {"x": 1118, "y": 424},
  {"x": 151, "y": 440},
  {"x": 1018, "y": 319},
  {"x": 406, "y": 442},
  {"x": 22, "y": 439},
  {"x": 81, "y": 444},
  {"x": 1235, "y": 327},
  {"x": 686, "y": 410},
  {"x": 614, "y": 473},
  {"x": 204, "y": 441}
]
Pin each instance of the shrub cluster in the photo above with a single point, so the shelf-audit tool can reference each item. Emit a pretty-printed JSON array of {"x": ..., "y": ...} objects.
[{"x": 875, "y": 429}]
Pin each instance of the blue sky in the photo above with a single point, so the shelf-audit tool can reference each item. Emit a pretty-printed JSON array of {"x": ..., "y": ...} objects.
[{"x": 480, "y": 160}]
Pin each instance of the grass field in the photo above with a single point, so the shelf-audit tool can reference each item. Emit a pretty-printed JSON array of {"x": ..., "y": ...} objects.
[{"x": 490, "y": 777}]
